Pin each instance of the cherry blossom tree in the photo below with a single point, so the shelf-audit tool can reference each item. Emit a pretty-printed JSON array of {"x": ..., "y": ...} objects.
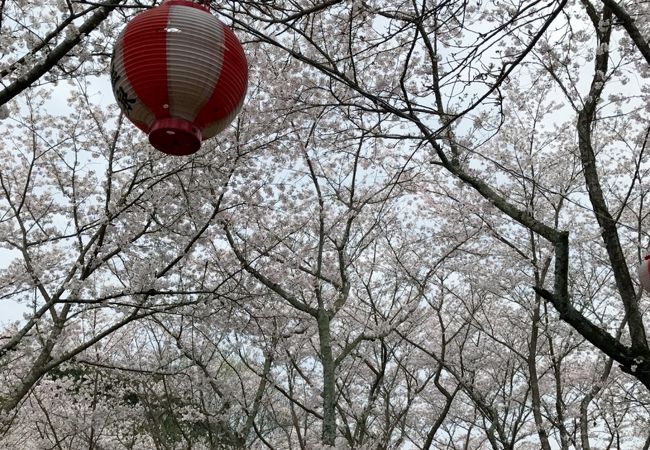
[{"x": 421, "y": 231}]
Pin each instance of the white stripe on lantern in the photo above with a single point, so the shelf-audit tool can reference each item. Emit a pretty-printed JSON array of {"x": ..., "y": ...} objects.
[
  {"x": 138, "y": 111},
  {"x": 194, "y": 59}
]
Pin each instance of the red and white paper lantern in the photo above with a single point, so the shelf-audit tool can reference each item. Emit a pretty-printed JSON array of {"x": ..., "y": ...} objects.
[
  {"x": 179, "y": 74},
  {"x": 644, "y": 273}
]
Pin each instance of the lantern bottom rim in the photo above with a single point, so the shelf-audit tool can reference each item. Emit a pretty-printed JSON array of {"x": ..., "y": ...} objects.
[{"x": 175, "y": 136}]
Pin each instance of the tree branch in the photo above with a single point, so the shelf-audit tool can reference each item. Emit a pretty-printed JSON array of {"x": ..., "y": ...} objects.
[{"x": 58, "y": 53}]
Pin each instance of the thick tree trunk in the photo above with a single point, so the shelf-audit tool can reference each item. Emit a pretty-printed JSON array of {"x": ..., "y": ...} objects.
[
  {"x": 329, "y": 380},
  {"x": 608, "y": 224},
  {"x": 534, "y": 383}
]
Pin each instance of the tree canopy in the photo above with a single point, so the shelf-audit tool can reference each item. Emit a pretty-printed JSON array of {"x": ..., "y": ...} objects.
[{"x": 421, "y": 231}]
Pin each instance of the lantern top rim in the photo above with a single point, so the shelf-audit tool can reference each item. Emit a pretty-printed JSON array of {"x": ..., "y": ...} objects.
[{"x": 203, "y": 5}]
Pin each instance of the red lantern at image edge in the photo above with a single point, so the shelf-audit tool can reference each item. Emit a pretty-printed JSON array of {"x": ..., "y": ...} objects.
[
  {"x": 179, "y": 74},
  {"x": 644, "y": 273}
]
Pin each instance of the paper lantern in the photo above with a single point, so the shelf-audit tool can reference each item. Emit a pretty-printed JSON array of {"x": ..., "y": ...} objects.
[
  {"x": 179, "y": 74},
  {"x": 644, "y": 273}
]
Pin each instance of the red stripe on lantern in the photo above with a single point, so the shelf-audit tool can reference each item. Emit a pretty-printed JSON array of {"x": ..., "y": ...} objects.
[
  {"x": 145, "y": 59},
  {"x": 231, "y": 86}
]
